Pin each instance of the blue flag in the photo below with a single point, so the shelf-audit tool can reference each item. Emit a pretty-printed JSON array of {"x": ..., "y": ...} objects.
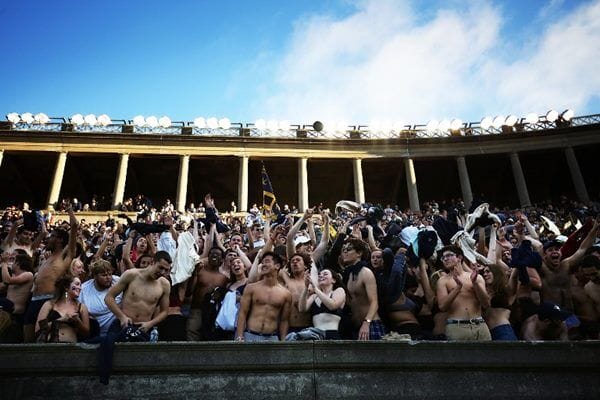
[{"x": 269, "y": 199}]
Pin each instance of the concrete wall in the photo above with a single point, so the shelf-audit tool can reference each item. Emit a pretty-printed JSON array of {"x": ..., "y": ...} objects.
[{"x": 320, "y": 370}]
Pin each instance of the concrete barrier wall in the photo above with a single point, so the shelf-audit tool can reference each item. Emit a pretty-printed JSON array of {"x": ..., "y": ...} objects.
[{"x": 311, "y": 370}]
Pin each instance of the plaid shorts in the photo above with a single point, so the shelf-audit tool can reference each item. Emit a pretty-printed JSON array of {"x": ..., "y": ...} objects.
[{"x": 376, "y": 330}]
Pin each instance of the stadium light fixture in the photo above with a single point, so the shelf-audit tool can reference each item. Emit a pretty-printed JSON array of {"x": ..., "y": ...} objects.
[
  {"x": 212, "y": 123},
  {"x": 200, "y": 123},
  {"x": 486, "y": 123},
  {"x": 13, "y": 118},
  {"x": 27, "y": 118},
  {"x": 375, "y": 126},
  {"x": 432, "y": 125},
  {"x": 224, "y": 123},
  {"x": 41, "y": 118},
  {"x": 317, "y": 126},
  {"x": 398, "y": 126},
  {"x": 104, "y": 120},
  {"x": 532, "y": 118},
  {"x": 152, "y": 121},
  {"x": 456, "y": 124},
  {"x": 444, "y": 125},
  {"x": 551, "y": 115},
  {"x": 90, "y": 119},
  {"x": 164, "y": 122},
  {"x": 567, "y": 115},
  {"x": 272, "y": 125},
  {"x": 511, "y": 120},
  {"x": 498, "y": 121},
  {"x": 77, "y": 119},
  {"x": 139, "y": 121},
  {"x": 260, "y": 124},
  {"x": 284, "y": 125}
]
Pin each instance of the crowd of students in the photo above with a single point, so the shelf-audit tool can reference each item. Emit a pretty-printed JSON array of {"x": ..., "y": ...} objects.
[{"x": 358, "y": 272}]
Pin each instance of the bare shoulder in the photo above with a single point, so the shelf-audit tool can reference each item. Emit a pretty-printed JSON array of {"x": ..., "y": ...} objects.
[
  {"x": 129, "y": 275},
  {"x": 366, "y": 274}
]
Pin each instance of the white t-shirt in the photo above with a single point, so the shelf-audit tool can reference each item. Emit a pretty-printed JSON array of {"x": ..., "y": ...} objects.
[{"x": 94, "y": 301}]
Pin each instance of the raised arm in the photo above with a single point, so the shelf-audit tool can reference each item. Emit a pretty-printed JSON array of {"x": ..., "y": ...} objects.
[
  {"x": 12, "y": 233},
  {"x": 321, "y": 249},
  {"x": 291, "y": 249},
  {"x": 425, "y": 282},
  {"x": 589, "y": 240},
  {"x": 73, "y": 232}
]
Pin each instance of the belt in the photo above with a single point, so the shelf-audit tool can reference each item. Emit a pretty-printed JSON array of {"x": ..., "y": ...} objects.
[
  {"x": 472, "y": 321},
  {"x": 261, "y": 334}
]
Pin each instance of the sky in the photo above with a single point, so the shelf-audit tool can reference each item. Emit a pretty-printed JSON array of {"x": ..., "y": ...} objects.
[{"x": 355, "y": 61}]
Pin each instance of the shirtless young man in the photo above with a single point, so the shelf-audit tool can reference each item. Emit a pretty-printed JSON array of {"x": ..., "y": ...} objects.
[
  {"x": 144, "y": 304},
  {"x": 205, "y": 279},
  {"x": 294, "y": 281},
  {"x": 590, "y": 268},
  {"x": 20, "y": 238},
  {"x": 19, "y": 282},
  {"x": 265, "y": 306},
  {"x": 555, "y": 272},
  {"x": 463, "y": 296},
  {"x": 61, "y": 245},
  {"x": 362, "y": 291}
]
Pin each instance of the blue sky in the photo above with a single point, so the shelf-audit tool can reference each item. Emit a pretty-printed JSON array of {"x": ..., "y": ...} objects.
[{"x": 353, "y": 61}]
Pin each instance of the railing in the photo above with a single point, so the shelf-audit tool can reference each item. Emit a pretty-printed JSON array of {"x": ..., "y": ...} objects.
[{"x": 362, "y": 132}]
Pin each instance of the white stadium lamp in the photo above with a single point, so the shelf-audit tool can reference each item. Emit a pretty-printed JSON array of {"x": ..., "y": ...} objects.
[
  {"x": 200, "y": 123},
  {"x": 104, "y": 120},
  {"x": 532, "y": 118},
  {"x": 272, "y": 125},
  {"x": 27, "y": 118},
  {"x": 41, "y": 118},
  {"x": 567, "y": 115},
  {"x": 164, "y": 122},
  {"x": 387, "y": 126},
  {"x": 13, "y": 117},
  {"x": 432, "y": 125},
  {"x": 341, "y": 126},
  {"x": 551, "y": 115},
  {"x": 456, "y": 124},
  {"x": 152, "y": 121},
  {"x": 212, "y": 123},
  {"x": 224, "y": 123},
  {"x": 139, "y": 121},
  {"x": 260, "y": 124},
  {"x": 77, "y": 119},
  {"x": 398, "y": 126},
  {"x": 511, "y": 120},
  {"x": 284, "y": 125},
  {"x": 486, "y": 123},
  {"x": 375, "y": 125},
  {"x": 498, "y": 121},
  {"x": 90, "y": 119},
  {"x": 444, "y": 125}
]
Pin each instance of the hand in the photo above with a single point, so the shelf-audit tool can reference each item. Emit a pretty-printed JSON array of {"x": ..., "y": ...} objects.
[
  {"x": 363, "y": 332},
  {"x": 474, "y": 274},
  {"x": 209, "y": 202},
  {"x": 146, "y": 326},
  {"x": 459, "y": 283},
  {"x": 307, "y": 281},
  {"x": 308, "y": 213},
  {"x": 325, "y": 216},
  {"x": 125, "y": 321}
]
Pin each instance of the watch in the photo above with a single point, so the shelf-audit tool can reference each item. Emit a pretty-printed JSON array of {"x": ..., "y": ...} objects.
[{"x": 367, "y": 320}]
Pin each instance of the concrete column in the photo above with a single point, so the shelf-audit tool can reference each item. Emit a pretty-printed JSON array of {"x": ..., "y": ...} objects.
[
  {"x": 359, "y": 186},
  {"x": 578, "y": 182},
  {"x": 59, "y": 172},
  {"x": 303, "y": 184},
  {"x": 243, "y": 184},
  {"x": 465, "y": 182},
  {"x": 522, "y": 191},
  {"x": 411, "y": 184},
  {"x": 119, "y": 191},
  {"x": 1, "y": 156},
  {"x": 182, "y": 183}
]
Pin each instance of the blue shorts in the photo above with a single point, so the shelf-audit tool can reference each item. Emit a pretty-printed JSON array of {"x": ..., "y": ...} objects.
[
  {"x": 503, "y": 332},
  {"x": 251, "y": 336}
]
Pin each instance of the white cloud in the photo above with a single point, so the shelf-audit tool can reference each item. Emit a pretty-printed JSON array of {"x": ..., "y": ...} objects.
[{"x": 384, "y": 61}]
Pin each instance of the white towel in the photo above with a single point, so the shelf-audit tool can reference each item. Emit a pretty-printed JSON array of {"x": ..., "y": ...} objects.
[{"x": 186, "y": 258}]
